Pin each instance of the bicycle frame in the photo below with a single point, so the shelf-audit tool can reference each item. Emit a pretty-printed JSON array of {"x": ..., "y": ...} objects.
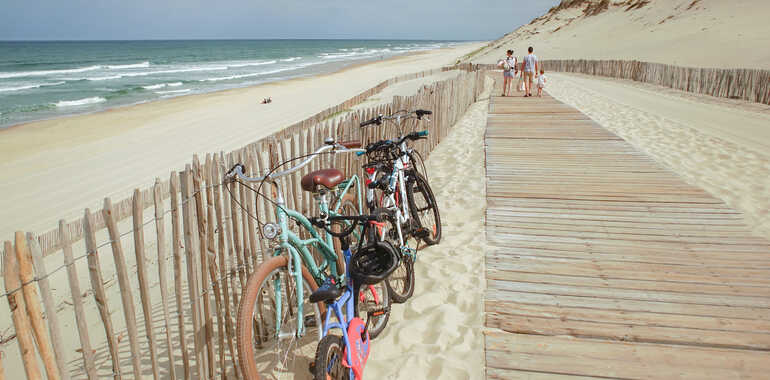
[
  {"x": 299, "y": 254},
  {"x": 348, "y": 303},
  {"x": 396, "y": 185}
]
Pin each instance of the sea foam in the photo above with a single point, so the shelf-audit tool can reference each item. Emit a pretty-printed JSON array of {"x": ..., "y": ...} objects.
[
  {"x": 140, "y": 65},
  {"x": 246, "y": 64},
  {"x": 172, "y": 91},
  {"x": 9, "y": 89},
  {"x": 80, "y": 102},
  {"x": 157, "y": 86},
  {"x": 20, "y": 74}
]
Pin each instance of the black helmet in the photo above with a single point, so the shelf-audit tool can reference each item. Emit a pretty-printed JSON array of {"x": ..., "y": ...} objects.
[{"x": 373, "y": 263}]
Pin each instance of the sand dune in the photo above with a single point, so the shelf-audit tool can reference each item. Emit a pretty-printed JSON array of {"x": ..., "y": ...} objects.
[{"x": 697, "y": 33}]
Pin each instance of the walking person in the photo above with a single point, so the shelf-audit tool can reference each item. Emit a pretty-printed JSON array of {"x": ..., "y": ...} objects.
[
  {"x": 529, "y": 67},
  {"x": 541, "y": 79},
  {"x": 510, "y": 68}
]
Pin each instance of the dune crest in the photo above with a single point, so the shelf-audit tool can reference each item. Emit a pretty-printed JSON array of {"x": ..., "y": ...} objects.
[{"x": 697, "y": 33}]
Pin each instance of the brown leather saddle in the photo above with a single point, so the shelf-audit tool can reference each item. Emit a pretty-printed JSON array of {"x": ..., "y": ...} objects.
[{"x": 328, "y": 178}]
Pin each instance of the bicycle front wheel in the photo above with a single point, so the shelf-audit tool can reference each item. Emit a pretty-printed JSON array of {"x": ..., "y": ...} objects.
[
  {"x": 328, "y": 359},
  {"x": 267, "y": 321}
]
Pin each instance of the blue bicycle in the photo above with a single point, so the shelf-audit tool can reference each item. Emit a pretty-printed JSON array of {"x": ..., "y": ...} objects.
[{"x": 344, "y": 357}]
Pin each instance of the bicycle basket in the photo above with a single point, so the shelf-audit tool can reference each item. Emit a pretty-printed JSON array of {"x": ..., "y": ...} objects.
[{"x": 373, "y": 263}]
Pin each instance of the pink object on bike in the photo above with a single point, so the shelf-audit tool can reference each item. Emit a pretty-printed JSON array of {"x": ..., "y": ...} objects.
[{"x": 359, "y": 346}]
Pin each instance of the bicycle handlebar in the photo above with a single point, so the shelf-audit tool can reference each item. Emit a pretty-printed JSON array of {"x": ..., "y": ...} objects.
[
  {"x": 238, "y": 169},
  {"x": 418, "y": 114}
]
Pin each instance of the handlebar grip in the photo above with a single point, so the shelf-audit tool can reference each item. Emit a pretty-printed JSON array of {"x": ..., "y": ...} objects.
[
  {"x": 421, "y": 113},
  {"x": 360, "y": 153},
  {"x": 422, "y": 133},
  {"x": 377, "y": 120}
]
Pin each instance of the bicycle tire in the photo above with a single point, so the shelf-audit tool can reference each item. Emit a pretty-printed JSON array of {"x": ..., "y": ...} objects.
[
  {"x": 401, "y": 282},
  {"x": 328, "y": 359},
  {"x": 245, "y": 319},
  {"x": 426, "y": 215},
  {"x": 378, "y": 323}
]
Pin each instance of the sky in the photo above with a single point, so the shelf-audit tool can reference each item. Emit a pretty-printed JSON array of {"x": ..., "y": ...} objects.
[{"x": 198, "y": 19}]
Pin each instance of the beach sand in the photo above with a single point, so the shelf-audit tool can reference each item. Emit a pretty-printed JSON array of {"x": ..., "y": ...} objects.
[
  {"x": 465, "y": 317},
  {"x": 56, "y": 168},
  {"x": 437, "y": 334}
]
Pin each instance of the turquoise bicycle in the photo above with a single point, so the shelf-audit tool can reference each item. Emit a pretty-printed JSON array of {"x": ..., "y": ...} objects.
[{"x": 277, "y": 325}]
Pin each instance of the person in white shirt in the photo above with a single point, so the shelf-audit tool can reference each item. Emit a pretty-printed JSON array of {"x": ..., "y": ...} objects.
[
  {"x": 529, "y": 67},
  {"x": 541, "y": 79},
  {"x": 508, "y": 74}
]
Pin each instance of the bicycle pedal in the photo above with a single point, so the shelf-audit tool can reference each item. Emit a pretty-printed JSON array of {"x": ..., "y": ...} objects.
[
  {"x": 421, "y": 233},
  {"x": 310, "y": 321},
  {"x": 377, "y": 312}
]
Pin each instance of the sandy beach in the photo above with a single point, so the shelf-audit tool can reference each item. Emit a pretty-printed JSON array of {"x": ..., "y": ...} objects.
[
  {"x": 437, "y": 334},
  {"x": 54, "y": 169},
  {"x": 466, "y": 316}
]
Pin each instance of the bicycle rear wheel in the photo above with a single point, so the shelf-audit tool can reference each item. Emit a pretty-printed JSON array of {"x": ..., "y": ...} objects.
[
  {"x": 424, "y": 208},
  {"x": 375, "y": 297},
  {"x": 270, "y": 296},
  {"x": 401, "y": 282}
]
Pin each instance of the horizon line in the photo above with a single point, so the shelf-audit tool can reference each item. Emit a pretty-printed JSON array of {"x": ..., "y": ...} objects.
[{"x": 240, "y": 39}]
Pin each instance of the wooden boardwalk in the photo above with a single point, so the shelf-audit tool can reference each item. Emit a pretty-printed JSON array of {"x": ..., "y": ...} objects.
[{"x": 605, "y": 264}]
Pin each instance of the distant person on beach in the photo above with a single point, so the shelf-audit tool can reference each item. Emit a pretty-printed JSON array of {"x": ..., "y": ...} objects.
[
  {"x": 529, "y": 67},
  {"x": 509, "y": 66},
  {"x": 541, "y": 79},
  {"x": 267, "y": 100}
]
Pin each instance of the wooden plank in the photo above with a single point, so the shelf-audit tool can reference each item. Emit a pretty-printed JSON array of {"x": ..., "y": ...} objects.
[
  {"x": 77, "y": 303},
  {"x": 160, "y": 230},
  {"x": 100, "y": 296},
  {"x": 32, "y": 303},
  {"x": 210, "y": 263},
  {"x": 176, "y": 247},
  {"x": 605, "y": 264},
  {"x": 589, "y": 357},
  {"x": 50, "y": 306},
  {"x": 223, "y": 274},
  {"x": 144, "y": 286},
  {"x": 203, "y": 252},
  {"x": 17, "y": 307},
  {"x": 192, "y": 286},
  {"x": 126, "y": 295}
]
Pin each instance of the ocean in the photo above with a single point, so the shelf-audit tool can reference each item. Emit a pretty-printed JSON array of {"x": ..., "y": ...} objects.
[{"x": 42, "y": 80}]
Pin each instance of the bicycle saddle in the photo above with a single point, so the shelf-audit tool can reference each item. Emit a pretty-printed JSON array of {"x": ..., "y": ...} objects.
[
  {"x": 328, "y": 178},
  {"x": 327, "y": 292}
]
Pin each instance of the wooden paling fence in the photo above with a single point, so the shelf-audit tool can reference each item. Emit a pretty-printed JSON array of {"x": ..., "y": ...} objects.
[
  {"x": 746, "y": 84},
  {"x": 192, "y": 253}
]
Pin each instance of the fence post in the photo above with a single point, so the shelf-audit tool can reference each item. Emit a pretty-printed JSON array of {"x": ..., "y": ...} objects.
[
  {"x": 141, "y": 271},
  {"x": 100, "y": 296},
  {"x": 31, "y": 300},
  {"x": 192, "y": 283},
  {"x": 77, "y": 303},
  {"x": 125, "y": 286},
  {"x": 176, "y": 247},
  {"x": 160, "y": 230},
  {"x": 50, "y": 306},
  {"x": 18, "y": 312}
]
